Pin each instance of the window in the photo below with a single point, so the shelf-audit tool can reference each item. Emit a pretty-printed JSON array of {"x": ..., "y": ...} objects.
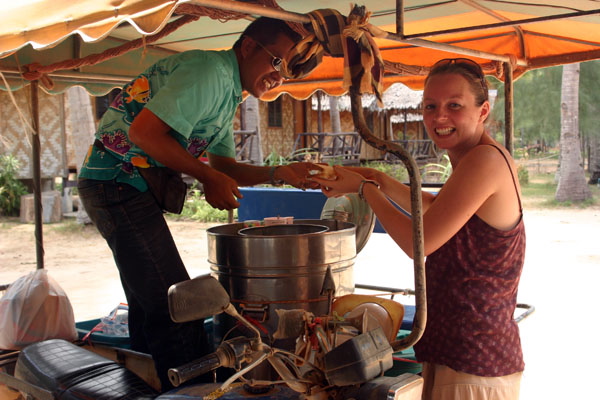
[{"x": 274, "y": 112}]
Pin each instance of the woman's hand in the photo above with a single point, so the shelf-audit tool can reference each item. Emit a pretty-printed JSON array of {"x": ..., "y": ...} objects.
[
  {"x": 347, "y": 181},
  {"x": 367, "y": 173}
]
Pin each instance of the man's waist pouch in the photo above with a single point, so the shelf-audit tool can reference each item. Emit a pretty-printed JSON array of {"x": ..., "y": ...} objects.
[{"x": 167, "y": 187}]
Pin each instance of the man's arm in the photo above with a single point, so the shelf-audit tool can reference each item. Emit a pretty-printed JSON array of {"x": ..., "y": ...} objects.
[
  {"x": 295, "y": 174},
  {"x": 151, "y": 134}
]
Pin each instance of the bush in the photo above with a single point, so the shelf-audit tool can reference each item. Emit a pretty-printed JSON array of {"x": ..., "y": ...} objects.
[
  {"x": 196, "y": 208},
  {"x": 523, "y": 175},
  {"x": 437, "y": 172},
  {"x": 275, "y": 158},
  {"x": 520, "y": 152},
  {"x": 395, "y": 170},
  {"x": 11, "y": 189}
]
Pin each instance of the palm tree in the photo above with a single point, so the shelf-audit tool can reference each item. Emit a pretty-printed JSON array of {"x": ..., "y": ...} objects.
[
  {"x": 589, "y": 109},
  {"x": 572, "y": 185},
  {"x": 594, "y": 165}
]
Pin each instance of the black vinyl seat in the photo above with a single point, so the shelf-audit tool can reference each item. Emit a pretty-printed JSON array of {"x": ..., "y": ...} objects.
[{"x": 73, "y": 373}]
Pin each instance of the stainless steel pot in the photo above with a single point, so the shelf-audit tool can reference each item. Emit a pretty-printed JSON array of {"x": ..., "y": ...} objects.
[{"x": 281, "y": 268}]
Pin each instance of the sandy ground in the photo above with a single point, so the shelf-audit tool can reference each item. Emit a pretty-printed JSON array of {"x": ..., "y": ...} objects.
[{"x": 560, "y": 279}]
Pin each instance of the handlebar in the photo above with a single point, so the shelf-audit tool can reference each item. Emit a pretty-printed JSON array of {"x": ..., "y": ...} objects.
[
  {"x": 193, "y": 369},
  {"x": 230, "y": 353}
]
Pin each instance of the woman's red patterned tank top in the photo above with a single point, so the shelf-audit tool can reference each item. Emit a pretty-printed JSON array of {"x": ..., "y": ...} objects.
[{"x": 472, "y": 283}]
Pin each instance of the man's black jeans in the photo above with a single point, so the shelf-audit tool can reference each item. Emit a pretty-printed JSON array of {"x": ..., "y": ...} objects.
[{"x": 149, "y": 263}]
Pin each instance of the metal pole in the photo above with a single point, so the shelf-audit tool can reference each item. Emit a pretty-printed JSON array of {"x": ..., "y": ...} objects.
[
  {"x": 508, "y": 108},
  {"x": 400, "y": 18},
  {"x": 37, "y": 181},
  {"x": 319, "y": 113},
  {"x": 455, "y": 49},
  {"x": 63, "y": 138},
  {"x": 416, "y": 213}
]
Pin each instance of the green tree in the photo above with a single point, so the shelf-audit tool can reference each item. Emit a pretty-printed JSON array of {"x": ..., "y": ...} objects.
[
  {"x": 11, "y": 189},
  {"x": 536, "y": 105}
]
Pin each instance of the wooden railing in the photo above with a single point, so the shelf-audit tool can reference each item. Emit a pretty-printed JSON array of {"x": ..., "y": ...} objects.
[
  {"x": 244, "y": 141},
  {"x": 338, "y": 148},
  {"x": 423, "y": 150}
]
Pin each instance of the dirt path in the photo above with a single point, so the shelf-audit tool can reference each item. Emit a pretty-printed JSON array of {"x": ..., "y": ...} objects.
[{"x": 81, "y": 262}]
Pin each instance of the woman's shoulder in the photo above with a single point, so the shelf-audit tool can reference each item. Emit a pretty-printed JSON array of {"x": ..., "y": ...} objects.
[
  {"x": 489, "y": 153},
  {"x": 486, "y": 170},
  {"x": 502, "y": 209},
  {"x": 481, "y": 157}
]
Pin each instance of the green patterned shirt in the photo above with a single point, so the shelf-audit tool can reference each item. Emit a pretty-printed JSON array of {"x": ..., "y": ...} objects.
[{"x": 196, "y": 93}]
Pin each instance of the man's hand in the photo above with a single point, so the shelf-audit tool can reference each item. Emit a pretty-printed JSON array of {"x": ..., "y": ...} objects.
[
  {"x": 221, "y": 191},
  {"x": 298, "y": 175}
]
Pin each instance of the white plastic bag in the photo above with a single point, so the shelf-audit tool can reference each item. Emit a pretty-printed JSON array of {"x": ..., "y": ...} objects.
[{"x": 35, "y": 308}]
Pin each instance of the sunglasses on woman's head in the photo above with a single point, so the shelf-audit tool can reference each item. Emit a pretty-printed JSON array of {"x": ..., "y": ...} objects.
[
  {"x": 275, "y": 61},
  {"x": 464, "y": 63}
]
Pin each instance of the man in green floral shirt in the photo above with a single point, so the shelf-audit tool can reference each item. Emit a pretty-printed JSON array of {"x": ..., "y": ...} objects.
[{"x": 177, "y": 110}]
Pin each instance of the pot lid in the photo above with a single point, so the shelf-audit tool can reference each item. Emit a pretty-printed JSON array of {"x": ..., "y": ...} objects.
[{"x": 351, "y": 208}]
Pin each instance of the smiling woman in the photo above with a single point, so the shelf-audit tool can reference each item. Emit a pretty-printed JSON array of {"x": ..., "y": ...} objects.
[
  {"x": 474, "y": 240},
  {"x": 455, "y": 111}
]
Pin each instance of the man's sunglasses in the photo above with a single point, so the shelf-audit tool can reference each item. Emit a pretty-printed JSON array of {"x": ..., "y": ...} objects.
[
  {"x": 466, "y": 64},
  {"x": 275, "y": 61}
]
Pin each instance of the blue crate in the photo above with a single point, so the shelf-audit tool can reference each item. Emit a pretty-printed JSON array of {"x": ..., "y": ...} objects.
[
  {"x": 261, "y": 202},
  {"x": 405, "y": 360},
  {"x": 84, "y": 327}
]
